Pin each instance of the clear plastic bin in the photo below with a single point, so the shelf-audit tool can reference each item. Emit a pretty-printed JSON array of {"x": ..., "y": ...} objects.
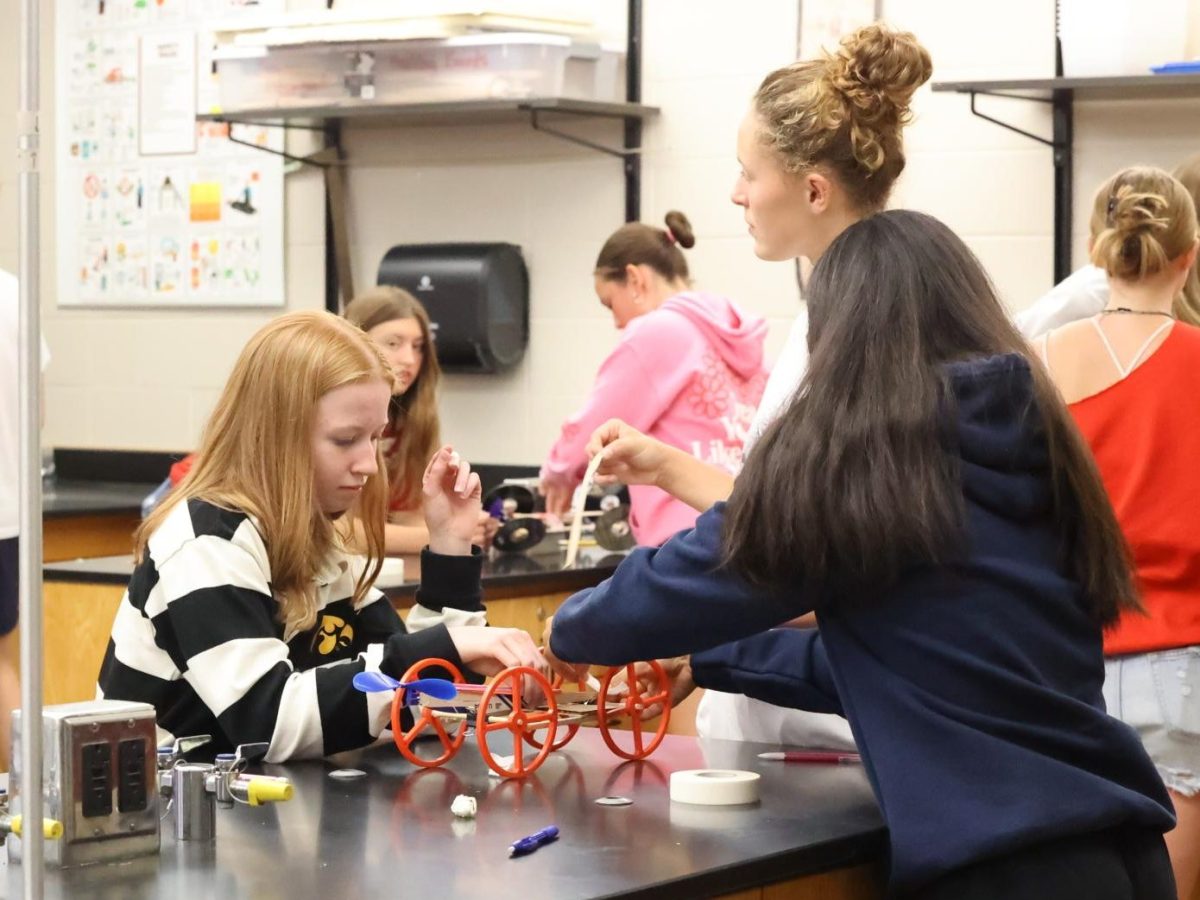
[
  {"x": 474, "y": 67},
  {"x": 1121, "y": 37}
]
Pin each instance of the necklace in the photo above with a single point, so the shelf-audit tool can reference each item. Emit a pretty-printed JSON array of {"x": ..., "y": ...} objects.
[{"x": 1125, "y": 310}]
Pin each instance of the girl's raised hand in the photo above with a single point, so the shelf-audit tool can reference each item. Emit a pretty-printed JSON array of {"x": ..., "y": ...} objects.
[
  {"x": 630, "y": 457},
  {"x": 451, "y": 498}
]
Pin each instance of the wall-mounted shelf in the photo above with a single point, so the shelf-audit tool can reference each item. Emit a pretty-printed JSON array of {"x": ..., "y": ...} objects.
[
  {"x": 1107, "y": 87},
  {"x": 461, "y": 112},
  {"x": 1060, "y": 94},
  {"x": 330, "y": 119}
]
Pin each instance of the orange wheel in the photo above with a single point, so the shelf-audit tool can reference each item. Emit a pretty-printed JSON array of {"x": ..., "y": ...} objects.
[
  {"x": 424, "y": 721},
  {"x": 634, "y": 704},
  {"x": 520, "y": 722},
  {"x": 565, "y": 733}
]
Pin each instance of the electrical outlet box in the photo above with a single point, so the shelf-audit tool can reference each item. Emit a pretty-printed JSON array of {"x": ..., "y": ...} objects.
[{"x": 100, "y": 779}]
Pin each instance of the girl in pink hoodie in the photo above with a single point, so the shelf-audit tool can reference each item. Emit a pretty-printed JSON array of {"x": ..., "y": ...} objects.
[{"x": 687, "y": 370}]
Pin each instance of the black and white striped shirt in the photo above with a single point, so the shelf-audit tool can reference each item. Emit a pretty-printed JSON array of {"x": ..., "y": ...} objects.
[{"x": 197, "y": 635}]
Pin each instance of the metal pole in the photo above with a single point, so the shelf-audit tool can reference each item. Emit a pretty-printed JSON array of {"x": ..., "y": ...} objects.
[
  {"x": 1064, "y": 176},
  {"x": 633, "y": 125},
  {"x": 333, "y": 294},
  {"x": 30, "y": 469}
]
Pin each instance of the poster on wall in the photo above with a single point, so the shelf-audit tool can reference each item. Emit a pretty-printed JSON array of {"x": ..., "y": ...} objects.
[
  {"x": 166, "y": 80},
  {"x": 155, "y": 209}
]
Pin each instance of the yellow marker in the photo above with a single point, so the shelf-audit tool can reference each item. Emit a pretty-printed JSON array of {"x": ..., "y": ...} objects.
[
  {"x": 267, "y": 790},
  {"x": 51, "y": 828}
]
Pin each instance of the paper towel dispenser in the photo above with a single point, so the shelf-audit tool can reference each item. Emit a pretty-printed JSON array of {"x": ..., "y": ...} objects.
[{"x": 477, "y": 296}]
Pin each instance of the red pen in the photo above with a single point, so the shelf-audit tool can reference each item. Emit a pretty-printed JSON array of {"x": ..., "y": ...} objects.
[{"x": 811, "y": 756}]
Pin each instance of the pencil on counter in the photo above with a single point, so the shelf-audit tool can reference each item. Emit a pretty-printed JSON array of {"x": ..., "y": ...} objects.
[{"x": 811, "y": 756}]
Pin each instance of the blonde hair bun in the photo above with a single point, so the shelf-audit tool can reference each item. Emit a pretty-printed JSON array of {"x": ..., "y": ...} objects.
[
  {"x": 1142, "y": 218},
  {"x": 1131, "y": 212},
  {"x": 877, "y": 70},
  {"x": 876, "y": 67},
  {"x": 846, "y": 110}
]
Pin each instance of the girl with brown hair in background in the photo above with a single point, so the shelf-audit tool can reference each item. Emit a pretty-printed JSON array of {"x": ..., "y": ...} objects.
[{"x": 399, "y": 324}]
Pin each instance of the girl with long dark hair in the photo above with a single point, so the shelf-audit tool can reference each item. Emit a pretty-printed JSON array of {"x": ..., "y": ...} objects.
[{"x": 927, "y": 496}]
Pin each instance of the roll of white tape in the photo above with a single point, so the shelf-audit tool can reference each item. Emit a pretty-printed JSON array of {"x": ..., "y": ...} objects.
[{"x": 714, "y": 787}]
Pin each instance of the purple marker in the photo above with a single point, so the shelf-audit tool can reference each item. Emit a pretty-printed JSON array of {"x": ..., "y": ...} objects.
[{"x": 533, "y": 841}]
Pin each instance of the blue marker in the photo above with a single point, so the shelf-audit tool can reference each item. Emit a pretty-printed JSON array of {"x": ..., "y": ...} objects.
[{"x": 535, "y": 840}]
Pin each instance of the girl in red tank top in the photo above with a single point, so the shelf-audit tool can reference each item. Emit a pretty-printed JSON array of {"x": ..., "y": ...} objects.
[
  {"x": 1131, "y": 376},
  {"x": 1145, "y": 435}
]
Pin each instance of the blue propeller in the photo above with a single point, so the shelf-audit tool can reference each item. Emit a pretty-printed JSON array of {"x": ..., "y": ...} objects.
[{"x": 439, "y": 688}]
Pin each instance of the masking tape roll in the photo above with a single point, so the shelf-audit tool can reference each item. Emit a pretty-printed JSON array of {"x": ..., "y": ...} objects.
[{"x": 715, "y": 787}]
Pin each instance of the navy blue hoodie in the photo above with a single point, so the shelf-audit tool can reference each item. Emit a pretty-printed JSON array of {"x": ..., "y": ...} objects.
[{"x": 973, "y": 689}]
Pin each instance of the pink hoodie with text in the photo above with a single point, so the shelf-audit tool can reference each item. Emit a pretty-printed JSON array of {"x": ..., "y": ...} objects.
[{"x": 691, "y": 374}]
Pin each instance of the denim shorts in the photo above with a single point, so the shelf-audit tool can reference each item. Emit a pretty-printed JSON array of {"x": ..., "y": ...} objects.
[{"x": 1158, "y": 695}]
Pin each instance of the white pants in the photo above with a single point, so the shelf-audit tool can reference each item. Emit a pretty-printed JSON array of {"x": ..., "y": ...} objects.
[{"x": 736, "y": 717}]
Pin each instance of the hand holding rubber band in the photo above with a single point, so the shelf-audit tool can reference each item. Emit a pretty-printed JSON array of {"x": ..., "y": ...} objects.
[{"x": 577, "y": 503}]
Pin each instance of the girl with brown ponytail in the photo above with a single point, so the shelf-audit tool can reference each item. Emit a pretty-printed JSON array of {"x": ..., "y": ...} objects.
[{"x": 688, "y": 370}]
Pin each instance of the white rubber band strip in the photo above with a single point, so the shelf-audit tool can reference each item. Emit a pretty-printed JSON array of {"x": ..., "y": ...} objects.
[{"x": 577, "y": 503}]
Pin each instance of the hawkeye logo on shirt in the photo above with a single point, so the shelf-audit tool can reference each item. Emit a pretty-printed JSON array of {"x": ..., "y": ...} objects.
[{"x": 335, "y": 634}]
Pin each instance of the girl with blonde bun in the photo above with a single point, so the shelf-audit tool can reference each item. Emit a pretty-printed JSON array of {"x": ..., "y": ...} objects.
[
  {"x": 688, "y": 370},
  {"x": 248, "y": 616},
  {"x": 820, "y": 148},
  {"x": 1128, "y": 374},
  {"x": 1084, "y": 292},
  {"x": 399, "y": 324}
]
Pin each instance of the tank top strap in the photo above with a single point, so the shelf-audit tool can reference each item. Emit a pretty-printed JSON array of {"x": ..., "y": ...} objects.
[
  {"x": 1150, "y": 340},
  {"x": 1112, "y": 354}
]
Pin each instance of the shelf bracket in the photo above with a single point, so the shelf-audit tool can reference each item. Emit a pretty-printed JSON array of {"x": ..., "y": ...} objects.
[
  {"x": 318, "y": 159},
  {"x": 290, "y": 157},
  {"x": 329, "y": 161},
  {"x": 1029, "y": 134},
  {"x": 538, "y": 125}
]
